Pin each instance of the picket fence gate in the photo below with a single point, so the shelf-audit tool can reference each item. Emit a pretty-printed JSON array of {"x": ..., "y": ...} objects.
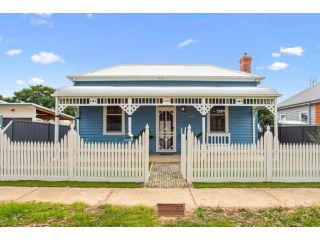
[
  {"x": 264, "y": 161},
  {"x": 75, "y": 160}
]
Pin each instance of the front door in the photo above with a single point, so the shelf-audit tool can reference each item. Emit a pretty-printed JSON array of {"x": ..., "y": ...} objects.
[{"x": 166, "y": 129}]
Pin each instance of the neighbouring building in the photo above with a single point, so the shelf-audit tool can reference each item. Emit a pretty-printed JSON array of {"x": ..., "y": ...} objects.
[
  {"x": 301, "y": 108},
  {"x": 29, "y": 112}
]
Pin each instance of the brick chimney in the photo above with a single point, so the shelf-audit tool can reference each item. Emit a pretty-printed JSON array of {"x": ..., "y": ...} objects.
[{"x": 245, "y": 63}]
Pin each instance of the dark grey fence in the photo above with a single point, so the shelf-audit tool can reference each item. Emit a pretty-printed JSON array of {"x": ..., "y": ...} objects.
[
  {"x": 34, "y": 131},
  {"x": 294, "y": 134}
]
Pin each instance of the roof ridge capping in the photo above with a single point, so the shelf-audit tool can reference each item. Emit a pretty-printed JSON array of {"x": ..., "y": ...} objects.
[{"x": 93, "y": 73}]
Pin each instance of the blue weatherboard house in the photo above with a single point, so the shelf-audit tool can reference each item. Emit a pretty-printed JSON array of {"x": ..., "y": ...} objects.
[{"x": 115, "y": 103}]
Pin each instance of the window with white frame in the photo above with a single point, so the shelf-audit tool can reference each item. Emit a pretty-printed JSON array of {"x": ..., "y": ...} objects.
[
  {"x": 283, "y": 117},
  {"x": 113, "y": 120},
  {"x": 217, "y": 119},
  {"x": 304, "y": 117}
]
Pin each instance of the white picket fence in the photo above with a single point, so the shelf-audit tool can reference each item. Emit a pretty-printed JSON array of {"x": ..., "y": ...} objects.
[
  {"x": 267, "y": 160},
  {"x": 75, "y": 160}
]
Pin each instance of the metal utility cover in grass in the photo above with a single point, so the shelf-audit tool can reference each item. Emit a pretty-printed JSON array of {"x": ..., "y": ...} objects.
[{"x": 170, "y": 209}]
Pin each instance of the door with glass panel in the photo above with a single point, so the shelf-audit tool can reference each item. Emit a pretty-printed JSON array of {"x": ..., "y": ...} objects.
[{"x": 166, "y": 132}]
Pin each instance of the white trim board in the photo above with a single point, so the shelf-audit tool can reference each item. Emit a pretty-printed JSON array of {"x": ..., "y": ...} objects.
[
  {"x": 226, "y": 122},
  {"x": 104, "y": 132}
]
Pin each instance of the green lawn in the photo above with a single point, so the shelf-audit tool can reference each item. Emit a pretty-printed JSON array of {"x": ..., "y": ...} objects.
[
  {"x": 79, "y": 214},
  {"x": 257, "y": 185},
  {"x": 72, "y": 184}
]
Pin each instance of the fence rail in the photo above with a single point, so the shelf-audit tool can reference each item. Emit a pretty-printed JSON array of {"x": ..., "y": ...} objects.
[
  {"x": 267, "y": 160},
  {"x": 75, "y": 160}
]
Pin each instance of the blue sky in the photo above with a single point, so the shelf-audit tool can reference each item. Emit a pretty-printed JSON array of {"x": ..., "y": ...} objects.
[{"x": 45, "y": 48}]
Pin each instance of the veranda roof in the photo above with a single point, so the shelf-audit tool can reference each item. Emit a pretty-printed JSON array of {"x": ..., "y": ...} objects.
[{"x": 110, "y": 91}]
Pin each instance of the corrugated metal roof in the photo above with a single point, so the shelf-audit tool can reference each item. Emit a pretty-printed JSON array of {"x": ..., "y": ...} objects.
[
  {"x": 3, "y": 103},
  {"x": 165, "y": 72},
  {"x": 102, "y": 91},
  {"x": 310, "y": 94}
]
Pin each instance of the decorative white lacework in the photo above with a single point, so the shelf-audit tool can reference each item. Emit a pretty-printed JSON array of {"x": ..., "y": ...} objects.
[
  {"x": 203, "y": 108},
  {"x": 130, "y": 109}
]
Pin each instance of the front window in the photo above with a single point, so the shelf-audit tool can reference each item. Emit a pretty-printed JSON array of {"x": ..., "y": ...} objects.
[
  {"x": 114, "y": 120},
  {"x": 217, "y": 121},
  {"x": 304, "y": 117},
  {"x": 283, "y": 117}
]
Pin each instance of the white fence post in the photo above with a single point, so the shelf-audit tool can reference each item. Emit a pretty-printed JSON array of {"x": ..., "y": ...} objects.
[
  {"x": 268, "y": 152},
  {"x": 189, "y": 153},
  {"x": 183, "y": 153},
  {"x": 146, "y": 154},
  {"x": 71, "y": 153}
]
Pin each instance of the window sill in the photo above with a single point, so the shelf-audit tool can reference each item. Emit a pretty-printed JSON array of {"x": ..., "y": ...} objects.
[
  {"x": 114, "y": 134},
  {"x": 214, "y": 133}
]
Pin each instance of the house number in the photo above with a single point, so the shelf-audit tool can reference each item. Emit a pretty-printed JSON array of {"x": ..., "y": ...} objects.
[{"x": 166, "y": 101}]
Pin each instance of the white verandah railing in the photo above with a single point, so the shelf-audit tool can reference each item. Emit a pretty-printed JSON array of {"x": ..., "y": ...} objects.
[
  {"x": 218, "y": 138},
  {"x": 266, "y": 160},
  {"x": 75, "y": 160}
]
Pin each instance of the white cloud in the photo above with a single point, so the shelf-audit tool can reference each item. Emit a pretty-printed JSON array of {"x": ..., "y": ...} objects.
[
  {"x": 185, "y": 43},
  {"x": 44, "y": 15},
  {"x": 13, "y": 52},
  {"x": 40, "y": 19},
  {"x": 1, "y": 38},
  {"x": 276, "y": 66},
  {"x": 89, "y": 15},
  {"x": 260, "y": 67},
  {"x": 46, "y": 58},
  {"x": 276, "y": 54},
  {"x": 296, "y": 51},
  {"x": 35, "y": 81},
  {"x": 20, "y": 82}
]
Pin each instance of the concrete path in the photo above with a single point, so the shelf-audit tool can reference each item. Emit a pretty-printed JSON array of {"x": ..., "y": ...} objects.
[{"x": 222, "y": 197}]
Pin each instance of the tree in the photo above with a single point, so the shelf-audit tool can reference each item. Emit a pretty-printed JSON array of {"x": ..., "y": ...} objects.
[
  {"x": 38, "y": 94},
  {"x": 315, "y": 136},
  {"x": 70, "y": 111},
  {"x": 265, "y": 117},
  {"x": 5, "y": 99}
]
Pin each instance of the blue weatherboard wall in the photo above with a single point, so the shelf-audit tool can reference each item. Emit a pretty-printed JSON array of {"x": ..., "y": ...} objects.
[
  {"x": 240, "y": 124},
  {"x": 91, "y": 124},
  {"x": 91, "y": 118},
  {"x": 141, "y": 117},
  {"x": 190, "y": 116},
  {"x": 167, "y": 83}
]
